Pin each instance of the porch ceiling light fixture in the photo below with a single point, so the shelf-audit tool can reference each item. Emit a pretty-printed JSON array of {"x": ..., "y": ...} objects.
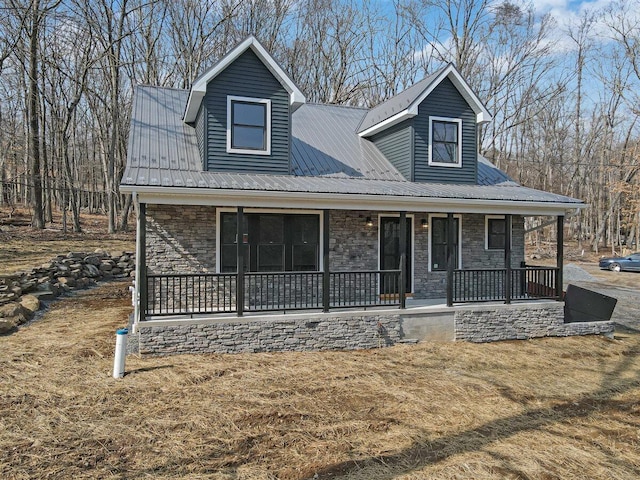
[
  {"x": 424, "y": 223},
  {"x": 368, "y": 222}
]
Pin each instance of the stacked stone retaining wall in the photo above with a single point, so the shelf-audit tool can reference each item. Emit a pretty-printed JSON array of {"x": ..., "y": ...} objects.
[
  {"x": 21, "y": 293},
  {"x": 348, "y": 331},
  {"x": 322, "y": 333},
  {"x": 520, "y": 322}
]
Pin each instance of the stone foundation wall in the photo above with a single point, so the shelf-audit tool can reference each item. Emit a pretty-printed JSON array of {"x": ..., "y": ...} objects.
[
  {"x": 521, "y": 322},
  {"x": 356, "y": 331},
  {"x": 326, "y": 333}
]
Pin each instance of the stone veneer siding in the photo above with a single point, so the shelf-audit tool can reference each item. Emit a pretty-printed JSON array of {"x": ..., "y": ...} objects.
[
  {"x": 182, "y": 239},
  {"x": 520, "y": 322}
]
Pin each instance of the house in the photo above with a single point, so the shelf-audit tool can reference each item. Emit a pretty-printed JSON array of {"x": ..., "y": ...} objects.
[{"x": 268, "y": 223}]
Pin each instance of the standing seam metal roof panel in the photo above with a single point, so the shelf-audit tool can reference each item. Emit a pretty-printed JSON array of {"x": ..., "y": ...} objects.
[{"x": 327, "y": 157}]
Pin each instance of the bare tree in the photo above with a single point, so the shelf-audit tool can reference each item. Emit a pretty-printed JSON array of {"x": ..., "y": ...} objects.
[{"x": 32, "y": 15}]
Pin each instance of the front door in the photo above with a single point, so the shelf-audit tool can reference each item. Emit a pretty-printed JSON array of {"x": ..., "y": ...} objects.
[{"x": 390, "y": 252}]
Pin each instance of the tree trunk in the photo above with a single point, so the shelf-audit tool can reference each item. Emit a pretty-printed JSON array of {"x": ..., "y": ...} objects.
[
  {"x": 124, "y": 218},
  {"x": 35, "y": 179}
]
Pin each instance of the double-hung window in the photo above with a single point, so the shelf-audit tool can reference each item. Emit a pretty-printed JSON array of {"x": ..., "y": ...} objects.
[
  {"x": 495, "y": 232},
  {"x": 248, "y": 125},
  {"x": 271, "y": 242},
  {"x": 496, "y": 228},
  {"x": 445, "y": 141}
]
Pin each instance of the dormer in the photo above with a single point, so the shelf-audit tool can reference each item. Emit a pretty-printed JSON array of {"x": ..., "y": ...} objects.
[
  {"x": 241, "y": 110},
  {"x": 429, "y": 132}
]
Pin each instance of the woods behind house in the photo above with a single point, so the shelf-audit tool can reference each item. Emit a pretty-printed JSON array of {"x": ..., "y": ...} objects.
[{"x": 564, "y": 93}]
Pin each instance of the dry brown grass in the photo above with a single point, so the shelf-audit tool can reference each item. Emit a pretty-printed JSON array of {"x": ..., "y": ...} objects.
[
  {"x": 22, "y": 248},
  {"x": 554, "y": 408}
]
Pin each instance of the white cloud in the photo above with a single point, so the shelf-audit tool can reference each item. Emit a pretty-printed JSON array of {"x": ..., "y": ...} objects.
[
  {"x": 546, "y": 5},
  {"x": 567, "y": 14}
]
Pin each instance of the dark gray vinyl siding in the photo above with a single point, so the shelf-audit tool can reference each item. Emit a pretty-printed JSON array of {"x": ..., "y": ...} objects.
[
  {"x": 200, "y": 129},
  {"x": 247, "y": 77},
  {"x": 395, "y": 143},
  {"x": 445, "y": 101}
]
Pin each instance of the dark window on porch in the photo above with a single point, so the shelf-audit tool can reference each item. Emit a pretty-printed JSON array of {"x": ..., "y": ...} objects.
[
  {"x": 390, "y": 252},
  {"x": 274, "y": 242},
  {"x": 496, "y": 233},
  {"x": 439, "y": 243}
]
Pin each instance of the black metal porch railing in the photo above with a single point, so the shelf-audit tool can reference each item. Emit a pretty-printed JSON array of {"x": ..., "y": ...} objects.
[
  {"x": 210, "y": 293},
  {"x": 179, "y": 294},
  {"x": 282, "y": 291},
  {"x": 484, "y": 285},
  {"x": 172, "y": 294},
  {"x": 364, "y": 288},
  {"x": 487, "y": 285},
  {"x": 535, "y": 282}
]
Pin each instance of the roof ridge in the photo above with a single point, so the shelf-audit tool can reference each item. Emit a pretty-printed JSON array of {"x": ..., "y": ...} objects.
[
  {"x": 318, "y": 104},
  {"x": 146, "y": 85}
]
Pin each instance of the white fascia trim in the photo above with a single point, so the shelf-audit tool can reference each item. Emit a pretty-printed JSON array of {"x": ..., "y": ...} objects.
[
  {"x": 199, "y": 88},
  {"x": 247, "y": 151},
  {"x": 336, "y": 201},
  {"x": 457, "y": 121},
  {"x": 296, "y": 97},
  {"x": 389, "y": 122},
  {"x": 482, "y": 114}
]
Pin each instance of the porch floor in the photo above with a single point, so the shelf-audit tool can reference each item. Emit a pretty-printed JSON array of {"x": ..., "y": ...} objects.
[{"x": 413, "y": 307}]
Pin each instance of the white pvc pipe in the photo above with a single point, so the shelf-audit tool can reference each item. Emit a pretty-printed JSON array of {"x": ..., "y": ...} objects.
[{"x": 121, "y": 353}]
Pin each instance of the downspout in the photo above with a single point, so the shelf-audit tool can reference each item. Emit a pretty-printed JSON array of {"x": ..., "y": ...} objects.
[{"x": 136, "y": 292}]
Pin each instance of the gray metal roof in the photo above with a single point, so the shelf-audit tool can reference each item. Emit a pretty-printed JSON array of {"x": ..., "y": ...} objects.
[
  {"x": 397, "y": 103},
  {"x": 324, "y": 143},
  {"x": 488, "y": 174},
  {"x": 327, "y": 157}
]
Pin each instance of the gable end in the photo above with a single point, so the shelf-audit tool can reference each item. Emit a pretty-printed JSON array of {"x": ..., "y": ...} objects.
[
  {"x": 246, "y": 77},
  {"x": 446, "y": 102}
]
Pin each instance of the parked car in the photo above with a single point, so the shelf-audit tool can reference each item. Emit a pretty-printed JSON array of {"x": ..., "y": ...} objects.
[{"x": 617, "y": 264}]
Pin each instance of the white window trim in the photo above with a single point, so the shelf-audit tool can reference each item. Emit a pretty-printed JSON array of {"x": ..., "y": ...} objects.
[
  {"x": 486, "y": 232},
  {"x": 439, "y": 215},
  {"x": 248, "y": 151},
  {"x": 451, "y": 120},
  {"x": 413, "y": 244},
  {"x": 221, "y": 210}
]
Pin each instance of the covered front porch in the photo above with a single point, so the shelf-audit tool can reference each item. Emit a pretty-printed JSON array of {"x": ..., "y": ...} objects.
[{"x": 329, "y": 289}]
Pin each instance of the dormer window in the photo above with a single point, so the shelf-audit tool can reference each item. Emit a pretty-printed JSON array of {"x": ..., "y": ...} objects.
[
  {"x": 248, "y": 125},
  {"x": 445, "y": 142}
]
